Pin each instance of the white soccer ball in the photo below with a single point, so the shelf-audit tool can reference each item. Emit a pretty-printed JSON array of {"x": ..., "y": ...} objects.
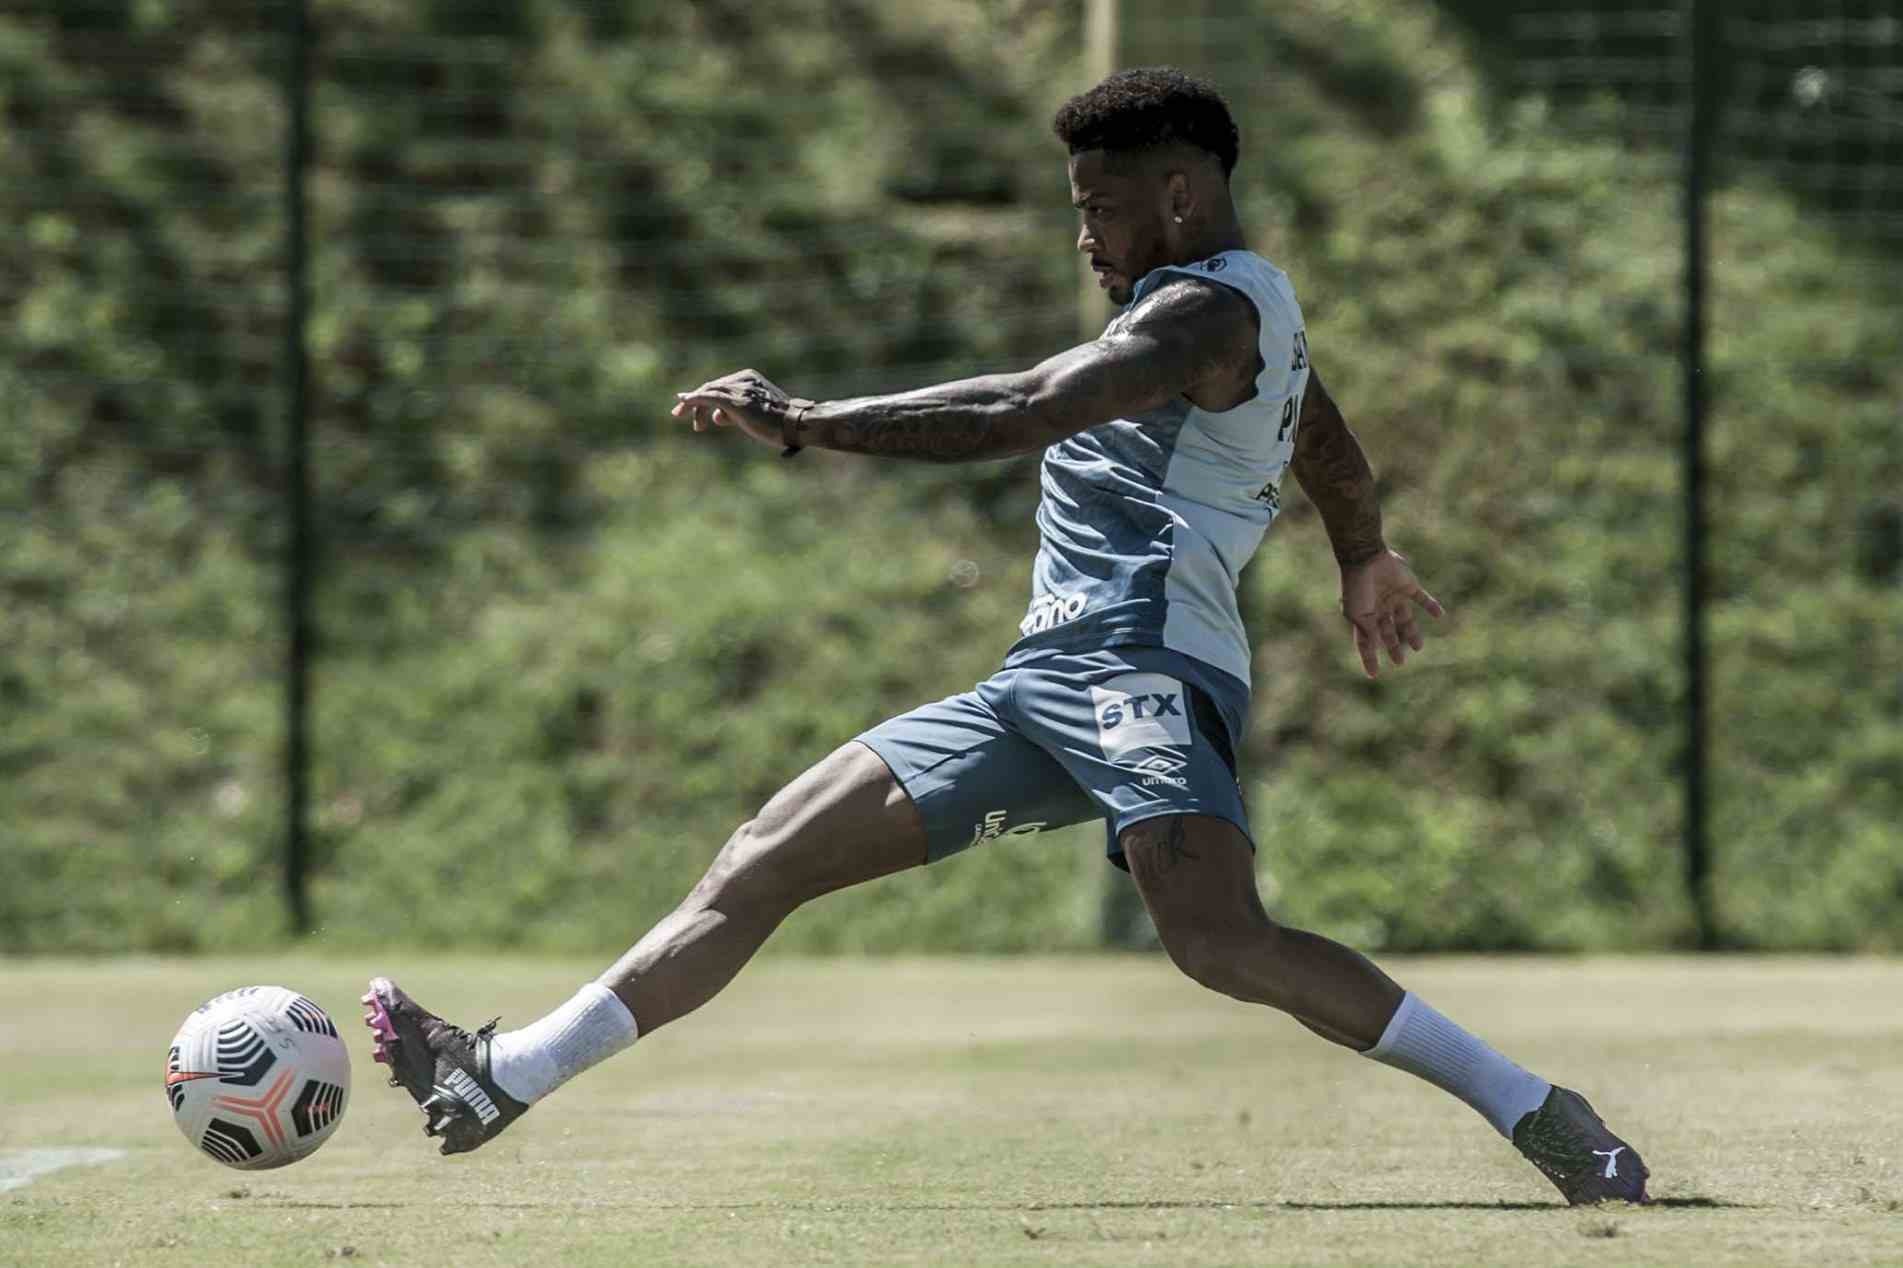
[{"x": 257, "y": 1077}]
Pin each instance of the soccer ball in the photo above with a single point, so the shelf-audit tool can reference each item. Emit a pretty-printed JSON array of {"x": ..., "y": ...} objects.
[{"x": 257, "y": 1077}]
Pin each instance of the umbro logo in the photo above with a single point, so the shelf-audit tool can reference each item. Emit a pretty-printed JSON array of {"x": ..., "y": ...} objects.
[{"x": 1158, "y": 769}]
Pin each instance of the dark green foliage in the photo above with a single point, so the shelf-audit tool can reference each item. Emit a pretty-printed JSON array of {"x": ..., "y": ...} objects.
[{"x": 565, "y": 648}]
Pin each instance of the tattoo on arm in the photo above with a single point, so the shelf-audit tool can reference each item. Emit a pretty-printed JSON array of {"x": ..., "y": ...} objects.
[
  {"x": 1176, "y": 339},
  {"x": 966, "y": 421},
  {"x": 1334, "y": 473}
]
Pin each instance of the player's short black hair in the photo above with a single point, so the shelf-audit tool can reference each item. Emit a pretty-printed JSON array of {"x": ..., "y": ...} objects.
[{"x": 1145, "y": 106}]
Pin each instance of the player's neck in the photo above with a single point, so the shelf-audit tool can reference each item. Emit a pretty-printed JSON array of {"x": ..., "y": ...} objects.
[{"x": 1212, "y": 237}]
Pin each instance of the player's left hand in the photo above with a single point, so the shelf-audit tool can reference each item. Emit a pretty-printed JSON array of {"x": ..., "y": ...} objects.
[
  {"x": 1378, "y": 598},
  {"x": 745, "y": 399}
]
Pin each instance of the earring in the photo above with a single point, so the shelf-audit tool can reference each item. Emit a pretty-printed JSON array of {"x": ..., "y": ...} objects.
[{"x": 1179, "y": 220}]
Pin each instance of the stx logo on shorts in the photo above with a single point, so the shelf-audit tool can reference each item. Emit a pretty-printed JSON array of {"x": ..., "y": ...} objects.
[
  {"x": 1140, "y": 711},
  {"x": 993, "y": 827}
]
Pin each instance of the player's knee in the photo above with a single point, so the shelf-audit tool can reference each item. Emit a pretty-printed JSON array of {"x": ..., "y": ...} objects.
[
  {"x": 1227, "y": 956},
  {"x": 751, "y": 869},
  {"x": 1199, "y": 952}
]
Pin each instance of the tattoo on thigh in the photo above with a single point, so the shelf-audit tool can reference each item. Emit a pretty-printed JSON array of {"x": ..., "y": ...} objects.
[
  {"x": 1172, "y": 845},
  {"x": 1176, "y": 848}
]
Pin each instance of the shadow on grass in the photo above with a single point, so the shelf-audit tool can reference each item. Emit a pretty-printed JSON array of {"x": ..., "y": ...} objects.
[
  {"x": 1694, "y": 1203},
  {"x": 288, "y": 1205},
  {"x": 1416, "y": 1206},
  {"x": 1028, "y": 1208}
]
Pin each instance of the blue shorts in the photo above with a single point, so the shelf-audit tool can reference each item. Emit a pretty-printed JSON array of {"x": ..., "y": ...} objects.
[{"x": 1055, "y": 738}]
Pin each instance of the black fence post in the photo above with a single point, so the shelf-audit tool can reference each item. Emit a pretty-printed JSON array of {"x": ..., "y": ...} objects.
[
  {"x": 297, "y": 472},
  {"x": 1701, "y": 42}
]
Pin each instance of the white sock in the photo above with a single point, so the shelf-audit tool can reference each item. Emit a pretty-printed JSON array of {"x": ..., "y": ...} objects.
[
  {"x": 1422, "y": 1042},
  {"x": 531, "y": 1062}
]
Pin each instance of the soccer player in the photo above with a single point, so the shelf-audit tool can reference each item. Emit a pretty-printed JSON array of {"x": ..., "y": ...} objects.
[{"x": 1165, "y": 443}]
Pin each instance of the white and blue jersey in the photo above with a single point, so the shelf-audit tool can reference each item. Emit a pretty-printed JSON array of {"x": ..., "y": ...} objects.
[
  {"x": 1128, "y": 693},
  {"x": 1146, "y": 522}
]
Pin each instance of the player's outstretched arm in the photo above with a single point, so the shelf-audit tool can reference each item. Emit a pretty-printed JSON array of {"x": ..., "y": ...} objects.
[
  {"x": 1334, "y": 472},
  {"x": 1378, "y": 589},
  {"x": 1178, "y": 338}
]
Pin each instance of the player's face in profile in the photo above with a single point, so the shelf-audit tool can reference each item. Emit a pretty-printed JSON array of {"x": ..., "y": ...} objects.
[{"x": 1122, "y": 205}]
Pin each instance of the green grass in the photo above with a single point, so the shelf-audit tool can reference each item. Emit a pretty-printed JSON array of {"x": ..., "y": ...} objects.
[{"x": 1062, "y": 1111}]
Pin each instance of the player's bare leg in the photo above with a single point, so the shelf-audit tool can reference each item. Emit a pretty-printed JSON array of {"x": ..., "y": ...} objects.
[
  {"x": 843, "y": 821},
  {"x": 1197, "y": 878}
]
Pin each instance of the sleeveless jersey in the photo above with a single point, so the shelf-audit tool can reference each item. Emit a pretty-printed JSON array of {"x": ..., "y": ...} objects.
[{"x": 1146, "y": 522}]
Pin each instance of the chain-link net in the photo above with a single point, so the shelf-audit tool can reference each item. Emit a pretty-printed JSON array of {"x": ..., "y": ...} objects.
[
  {"x": 559, "y": 641},
  {"x": 142, "y": 299}
]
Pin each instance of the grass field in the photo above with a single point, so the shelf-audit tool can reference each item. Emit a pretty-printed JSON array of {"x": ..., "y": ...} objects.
[{"x": 1067, "y": 1111}]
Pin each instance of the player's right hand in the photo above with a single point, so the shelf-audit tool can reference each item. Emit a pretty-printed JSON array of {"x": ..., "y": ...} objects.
[
  {"x": 1378, "y": 599},
  {"x": 746, "y": 399}
]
